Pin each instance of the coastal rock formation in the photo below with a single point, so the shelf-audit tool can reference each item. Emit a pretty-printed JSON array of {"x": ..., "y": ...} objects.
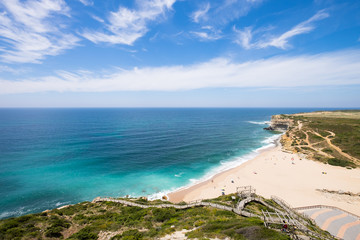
[{"x": 279, "y": 123}]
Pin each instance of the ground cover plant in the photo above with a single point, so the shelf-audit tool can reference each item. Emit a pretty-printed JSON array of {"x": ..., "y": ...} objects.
[{"x": 86, "y": 220}]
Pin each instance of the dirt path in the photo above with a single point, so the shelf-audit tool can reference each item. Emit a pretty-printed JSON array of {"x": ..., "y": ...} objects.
[
  {"x": 328, "y": 141},
  {"x": 300, "y": 125},
  {"x": 337, "y": 148},
  {"x": 311, "y": 145}
]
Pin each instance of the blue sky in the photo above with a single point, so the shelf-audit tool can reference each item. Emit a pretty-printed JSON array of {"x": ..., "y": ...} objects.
[{"x": 179, "y": 53}]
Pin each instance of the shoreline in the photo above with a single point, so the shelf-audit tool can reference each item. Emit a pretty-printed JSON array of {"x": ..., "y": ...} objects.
[
  {"x": 273, "y": 172},
  {"x": 207, "y": 177},
  {"x": 180, "y": 193}
]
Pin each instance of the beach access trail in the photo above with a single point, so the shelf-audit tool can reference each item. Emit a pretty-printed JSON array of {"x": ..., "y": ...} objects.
[{"x": 300, "y": 182}]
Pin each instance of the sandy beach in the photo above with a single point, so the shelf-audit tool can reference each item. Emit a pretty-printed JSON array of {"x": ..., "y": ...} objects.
[{"x": 273, "y": 172}]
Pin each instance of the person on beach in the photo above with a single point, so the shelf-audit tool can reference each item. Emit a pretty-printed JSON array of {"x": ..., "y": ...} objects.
[{"x": 284, "y": 227}]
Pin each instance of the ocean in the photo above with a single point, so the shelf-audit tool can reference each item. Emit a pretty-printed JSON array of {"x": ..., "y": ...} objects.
[{"x": 54, "y": 157}]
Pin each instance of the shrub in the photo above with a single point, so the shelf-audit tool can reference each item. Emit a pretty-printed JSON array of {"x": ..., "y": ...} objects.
[
  {"x": 11, "y": 223},
  {"x": 54, "y": 232},
  {"x": 59, "y": 222},
  {"x": 328, "y": 150},
  {"x": 339, "y": 162},
  {"x": 163, "y": 214},
  {"x": 24, "y": 218},
  {"x": 87, "y": 233},
  {"x": 132, "y": 234}
]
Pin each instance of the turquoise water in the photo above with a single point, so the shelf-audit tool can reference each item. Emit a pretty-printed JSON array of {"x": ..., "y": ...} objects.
[{"x": 54, "y": 157}]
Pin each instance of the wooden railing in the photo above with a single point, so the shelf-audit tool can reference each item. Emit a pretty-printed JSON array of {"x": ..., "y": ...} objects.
[
  {"x": 238, "y": 209},
  {"x": 326, "y": 206},
  {"x": 184, "y": 206},
  {"x": 299, "y": 217}
]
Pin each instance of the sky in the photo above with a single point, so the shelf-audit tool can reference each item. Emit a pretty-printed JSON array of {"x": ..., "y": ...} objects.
[{"x": 180, "y": 53}]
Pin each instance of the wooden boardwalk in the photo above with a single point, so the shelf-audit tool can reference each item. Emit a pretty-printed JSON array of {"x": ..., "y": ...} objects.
[
  {"x": 201, "y": 203},
  {"x": 247, "y": 195}
]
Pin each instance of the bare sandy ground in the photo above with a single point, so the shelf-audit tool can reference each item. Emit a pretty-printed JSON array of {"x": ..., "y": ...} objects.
[{"x": 273, "y": 172}]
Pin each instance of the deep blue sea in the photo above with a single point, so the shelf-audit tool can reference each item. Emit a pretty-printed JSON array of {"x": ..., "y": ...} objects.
[{"x": 54, "y": 157}]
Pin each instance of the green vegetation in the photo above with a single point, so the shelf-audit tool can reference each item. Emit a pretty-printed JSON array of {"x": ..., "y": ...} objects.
[
  {"x": 347, "y": 133},
  {"x": 224, "y": 200},
  {"x": 132, "y": 234},
  {"x": 86, "y": 220},
  {"x": 327, "y": 150},
  {"x": 250, "y": 229},
  {"x": 257, "y": 208},
  {"x": 340, "y": 162},
  {"x": 327, "y": 132}
]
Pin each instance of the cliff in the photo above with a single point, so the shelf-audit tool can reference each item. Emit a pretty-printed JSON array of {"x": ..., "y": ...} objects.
[{"x": 279, "y": 123}]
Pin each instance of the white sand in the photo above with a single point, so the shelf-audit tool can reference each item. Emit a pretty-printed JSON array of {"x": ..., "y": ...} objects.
[{"x": 273, "y": 173}]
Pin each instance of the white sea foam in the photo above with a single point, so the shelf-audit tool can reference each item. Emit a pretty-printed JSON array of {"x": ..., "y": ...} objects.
[
  {"x": 270, "y": 142},
  {"x": 260, "y": 123},
  {"x": 19, "y": 212},
  {"x": 60, "y": 205},
  {"x": 160, "y": 195},
  {"x": 272, "y": 139},
  {"x": 179, "y": 174},
  {"x": 224, "y": 166}
]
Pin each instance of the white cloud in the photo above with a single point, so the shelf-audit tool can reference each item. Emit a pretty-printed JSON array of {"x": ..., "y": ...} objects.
[
  {"x": 125, "y": 26},
  {"x": 87, "y": 2},
  {"x": 97, "y": 18},
  {"x": 245, "y": 36},
  {"x": 204, "y": 36},
  {"x": 201, "y": 13},
  {"x": 207, "y": 33},
  {"x": 30, "y": 32},
  {"x": 328, "y": 69},
  {"x": 16, "y": 71},
  {"x": 218, "y": 15},
  {"x": 229, "y": 10}
]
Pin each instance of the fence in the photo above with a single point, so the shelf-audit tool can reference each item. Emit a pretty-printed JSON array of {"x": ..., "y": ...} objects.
[{"x": 326, "y": 206}]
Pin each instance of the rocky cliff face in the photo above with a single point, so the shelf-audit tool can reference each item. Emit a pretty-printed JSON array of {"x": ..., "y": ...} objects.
[{"x": 279, "y": 123}]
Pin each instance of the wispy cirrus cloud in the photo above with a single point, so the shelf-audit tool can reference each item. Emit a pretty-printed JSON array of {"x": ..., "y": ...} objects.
[
  {"x": 213, "y": 19},
  {"x": 204, "y": 36},
  {"x": 30, "y": 32},
  {"x": 245, "y": 36},
  {"x": 127, "y": 25},
  {"x": 87, "y": 2},
  {"x": 207, "y": 33},
  {"x": 15, "y": 71},
  {"x": 229, "y": 10},
  {"x": 98, "y": 19},
  {"x": 200, "y": 13},
  {"x": 221, "y": 12},
  {"x": 328, "y": 69}
]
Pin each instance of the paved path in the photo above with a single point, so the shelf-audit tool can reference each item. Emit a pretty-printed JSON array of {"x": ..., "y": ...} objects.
[{"x": 337, "y": 222}]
